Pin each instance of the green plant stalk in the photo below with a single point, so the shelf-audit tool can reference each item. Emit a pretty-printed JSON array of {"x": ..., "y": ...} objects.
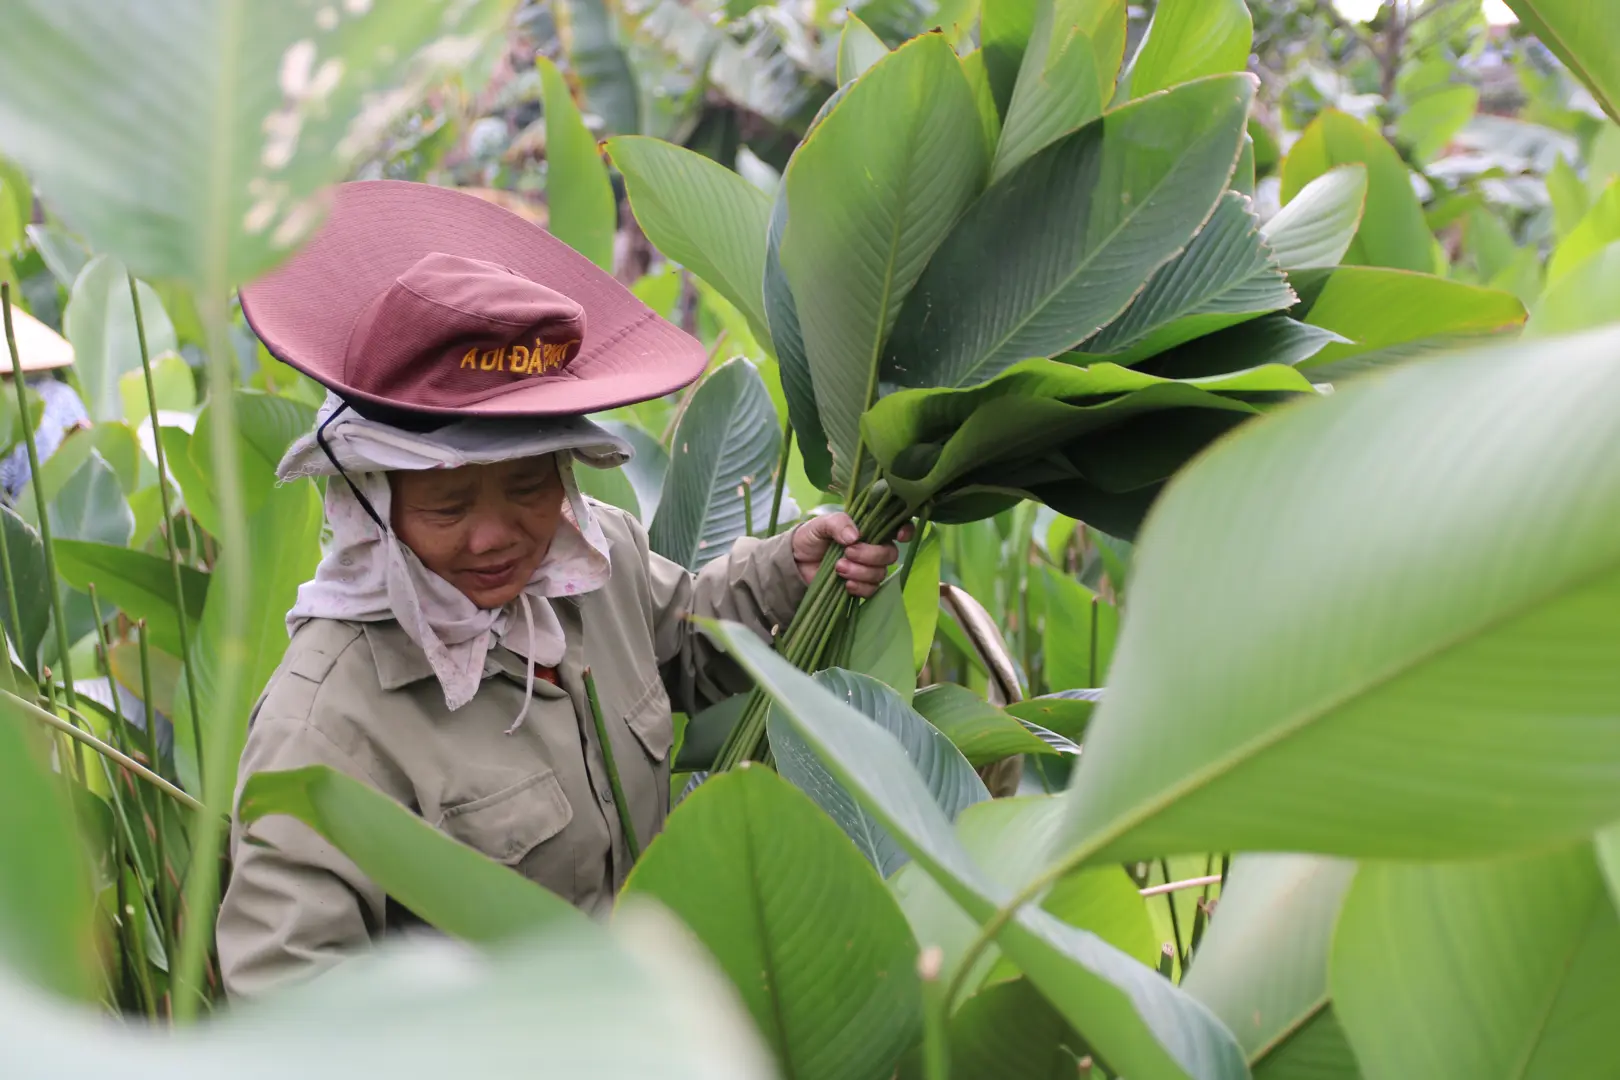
[
  {"x": 11, "y": 585},
  {"x": 72, "y": 731},
  {"x": 620, "y": 803},
  {"x": 812, "y": 633},
  {"x": 230, "y": 588},
  {"x": 165, "y": 912},
  {"x": 76, "y": 758},
  {"x": 746, "y": 489},
  {"x": 781, "y": 478},
  {"x": 124, "y": 839},
  {"x": 62, "y": 643},
  {"x": 168, "y": 535},
  {"x": 1170, "y": 899},
  {"x": 936, "y": 1016}
]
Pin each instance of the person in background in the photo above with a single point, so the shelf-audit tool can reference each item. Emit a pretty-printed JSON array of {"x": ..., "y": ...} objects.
[
  {"x": 41, "y": 350},
  {"x": 481, "y": 642}
]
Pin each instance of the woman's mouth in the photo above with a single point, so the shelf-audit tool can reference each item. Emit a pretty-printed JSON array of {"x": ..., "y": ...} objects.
[{"x": 491, "y": 577}]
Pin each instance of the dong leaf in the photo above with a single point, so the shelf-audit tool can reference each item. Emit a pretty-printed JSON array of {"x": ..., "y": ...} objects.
[
  {"x": 1262, "y": 966},
  {"x": 797, "y": 389},
  {"x": 1066, "y": 712},
  {"x": 1497, "y": 969},
  {"x": 1580, "y": 299},
  {"x": 1431, "y": 120},
  {"x": 927, "y": 440},
  {"x": 1583, "y": 36},
  {"x": 26, "y": 554},
  {"x": 1057, "y": 89},
  {"x": 223, "y": 119},
  {"x": 1080, "y": 632},
  {"x": 880, "y": 644},
  {"x": 766, "y": 882},
  {"x": 1393, "y": 232},
  {"x": 984, "y": 733},
  {"x": 1272, "y": 339},
  {"x": 589, "y": 32},
  {"x": 283, "y": 549},
  {"x": 1328, "y": 712},
  {"x": 641, "y": 1001},
  {"x": 1319, "y": 224},
  {"x": 47, "y": 932},
  {"x": 1058, "y": 248},
  {"x": 1376, "y": 308},
  {"x": 140, "y": 585},
  {"x": 1136, "y": 1021},
  {"x": 852, "y": 251},
  {"x": 858, "y": 50},
  {"x": 718, "y": 487},
  {"x": 1009, "y": 1032},
  {"x": 579, "y": 196},
  {"x": 1189, "y": 39},
  {"x": 100, "y": 324},
  {"x": 700, "y": 214},
  {"x": 949, "y": 779},
  {"x": 1004, "y": 31},
  {"x": 1226, "y": 276},
  {"x": 447, "y": 884}
]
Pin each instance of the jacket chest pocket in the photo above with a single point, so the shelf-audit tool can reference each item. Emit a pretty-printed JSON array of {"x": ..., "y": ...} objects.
[
  {"x": 648, "y": 718},
  {"x": 508, "y": 824}
]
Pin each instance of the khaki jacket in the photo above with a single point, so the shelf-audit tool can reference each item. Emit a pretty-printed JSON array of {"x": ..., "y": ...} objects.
[{"x": 362, "y": 699}]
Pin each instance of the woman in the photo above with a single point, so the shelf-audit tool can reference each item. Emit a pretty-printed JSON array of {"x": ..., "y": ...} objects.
[{"x": 477, "y": 626}]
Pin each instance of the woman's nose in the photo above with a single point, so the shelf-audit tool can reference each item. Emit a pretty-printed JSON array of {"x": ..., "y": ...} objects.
[{"x": 490, "y": 533}]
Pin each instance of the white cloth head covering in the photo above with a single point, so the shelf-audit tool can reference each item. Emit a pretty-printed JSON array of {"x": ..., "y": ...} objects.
[{"x": 369, "y": 575}]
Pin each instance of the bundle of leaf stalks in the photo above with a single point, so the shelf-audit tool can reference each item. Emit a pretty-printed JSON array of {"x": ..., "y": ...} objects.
[{"x": 981, "y": 288}]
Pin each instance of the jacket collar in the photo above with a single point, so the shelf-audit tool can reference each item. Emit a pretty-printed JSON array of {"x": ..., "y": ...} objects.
[{"x": 401, "y": 661}]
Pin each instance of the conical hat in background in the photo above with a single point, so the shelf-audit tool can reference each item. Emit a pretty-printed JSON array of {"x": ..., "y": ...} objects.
[{"x": 40, "y": 347}]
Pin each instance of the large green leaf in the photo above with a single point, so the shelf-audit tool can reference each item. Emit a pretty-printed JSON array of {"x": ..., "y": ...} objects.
[
  {"x": 1262, "y": 966},
  {"x": 283, "y": 549},
  {"x": 1479, "y": 970},
  {"x": 718, "y": 487},
  {"x": 1393, "y": 230},
  {"x": 222, "y": 119},
  {"x": 949, "y": 779},
  {"x": 589, "y": 33},
  {"x": 1319, "y": 224},
  {"x": 1139, "y": 1023},
  {"x": 579, "y": 196},
  {"x": 1389, "y": 708},
  {"x": 927, "y": 440},
  {"x": 266, "y": 425},
  {"x": 1581, "y": 299},
  {"x": 445, "y": 883},
  {"x": 1226, "y": 276},
  {"x": 799, "y": 392},
  {"x": 702, "y": 215},
  {"x": 46, "y": 932},
  {"x": 880, "y": 645},
  {"x": 27, "y": 557},
  {"x": 767, "y": 883},
  {"x": 1007, "y": 839},
  {"x": 1080, "y": 632},
  {"x": 858, "y": 49},
  {"x": 1189, "y": 39},
  {"x": 1596, "y": 231},
  {"x": 639, "y": 1002},
  {"x": 138, "y": 584},
  {"x": 1271, "y": 339},
  {"x": 871, "y": 193},
  {"x": 1066, "y": 712},
  {"x": 1583, "y": 35},
  {"x": 1004, "y": 31},
  {"x": 100, "y": 323},
  {"x": 1376, "y": 308},
  {"x": 91, "y": 506},
  {"x": 1057, "y": 89},
  {"x": 984, "y": 733},
  {"x": 1430, "y": 121},
  {"x": 1057, "y": 249},
  {"x": 1009, "y": 1032}
]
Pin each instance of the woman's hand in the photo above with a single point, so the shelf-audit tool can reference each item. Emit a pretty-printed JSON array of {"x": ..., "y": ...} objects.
[{"x": 863, "y": 566}]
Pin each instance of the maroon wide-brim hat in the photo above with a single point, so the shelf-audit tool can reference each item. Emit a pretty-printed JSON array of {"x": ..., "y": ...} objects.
[{"x": 423, "y": 299}]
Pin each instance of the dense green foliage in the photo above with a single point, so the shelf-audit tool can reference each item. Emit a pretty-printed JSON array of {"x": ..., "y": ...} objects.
[{"x": 1241, "y": 707}]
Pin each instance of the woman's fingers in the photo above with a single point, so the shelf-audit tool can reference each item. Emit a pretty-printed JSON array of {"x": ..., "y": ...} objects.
[{"x": 872, "y": 554}]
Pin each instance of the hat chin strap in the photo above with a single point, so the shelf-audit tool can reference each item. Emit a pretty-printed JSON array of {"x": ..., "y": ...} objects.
[{"x": 320, "y": 440}]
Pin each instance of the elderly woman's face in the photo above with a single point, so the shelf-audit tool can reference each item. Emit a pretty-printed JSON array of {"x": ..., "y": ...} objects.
[{"x": 483, "y": 528}]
